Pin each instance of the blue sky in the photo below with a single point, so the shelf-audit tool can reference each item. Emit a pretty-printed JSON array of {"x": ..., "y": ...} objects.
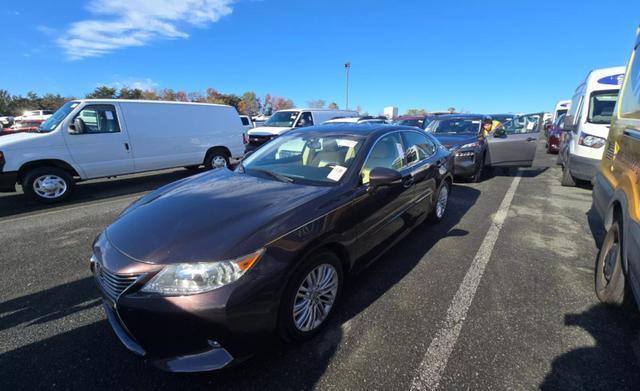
[{"x": 483, "y": 56}]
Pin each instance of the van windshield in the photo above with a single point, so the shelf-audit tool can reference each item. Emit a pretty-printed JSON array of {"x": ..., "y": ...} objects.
[
  {"x": 601, "y": 106},
  {"x": 282, "y": 119},
  {"x": 52, "y": 122}
]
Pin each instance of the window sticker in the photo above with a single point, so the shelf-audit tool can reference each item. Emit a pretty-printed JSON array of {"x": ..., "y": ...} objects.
[
  {"x": 400, "y": 150},
  {"x": 346, "y": 143},
  {"x": 337, "y": 173},
  {"x": 109, "y": 115}
]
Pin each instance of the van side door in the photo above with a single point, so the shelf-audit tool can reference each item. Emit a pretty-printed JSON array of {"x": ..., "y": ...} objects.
[
  {"x": 514, "y": 144},
  {"x": 102, "y": 147}
]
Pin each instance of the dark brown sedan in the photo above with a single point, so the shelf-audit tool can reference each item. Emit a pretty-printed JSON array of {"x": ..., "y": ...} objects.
[{"x": 202, "y": 272}]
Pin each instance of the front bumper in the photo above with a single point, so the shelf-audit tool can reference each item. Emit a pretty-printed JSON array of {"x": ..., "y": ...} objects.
[
  {"x": 193, "y": 333},
  {"x": 583, "y": 168},
  {"x": 8, "y": 181},
  {"x": 464, "y": 163},
  {"x": 553, "y": 143}
]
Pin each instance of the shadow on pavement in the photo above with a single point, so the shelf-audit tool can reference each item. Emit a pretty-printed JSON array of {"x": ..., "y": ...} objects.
[
  {"x": 91, "y": 357},
  {"x": 15, "y": 203},
  {"x": 612, "y": 364},
  {"x": 596, "y": 225}
]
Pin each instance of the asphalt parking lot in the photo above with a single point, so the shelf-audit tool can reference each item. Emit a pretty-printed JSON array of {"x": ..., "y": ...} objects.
[{"x": 498, "y": 296}]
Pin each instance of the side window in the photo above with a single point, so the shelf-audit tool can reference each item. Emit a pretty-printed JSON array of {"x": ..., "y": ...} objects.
[
  {"x": 387, "y": 152},
  {"x": 305, "y": 120},
  {"x": 576, "y": 119},
  {"x": 99, "y": 119},
  {"x": 630, "y": 98},
  {"x": 418, "y": 147},
  {"x": 245, "y": 121}
]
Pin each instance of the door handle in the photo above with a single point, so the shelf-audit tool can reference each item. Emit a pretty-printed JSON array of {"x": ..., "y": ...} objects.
[{"x": 126, "y": 146}]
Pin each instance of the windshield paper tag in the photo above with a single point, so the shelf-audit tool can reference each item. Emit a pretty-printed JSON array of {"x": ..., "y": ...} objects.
[
  {"x": 346, "y": 143},
  {"x": 337, "y": 173},
  {"x": 109, "y": 115}
]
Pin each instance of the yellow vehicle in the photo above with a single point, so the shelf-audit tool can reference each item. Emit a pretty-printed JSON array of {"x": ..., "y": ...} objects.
[{"x": 616, "y": 195}]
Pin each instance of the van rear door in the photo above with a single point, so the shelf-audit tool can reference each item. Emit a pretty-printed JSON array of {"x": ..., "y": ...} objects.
[
  {"x": 515, "y": 144},
  {"x": 103, "y": 147}
]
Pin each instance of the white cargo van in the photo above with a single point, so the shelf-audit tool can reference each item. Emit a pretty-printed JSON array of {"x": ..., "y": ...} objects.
[
  {"x": 587, "y": 124},
  {"x": 562, "y": 107},
  {"x": 284, "y": 120},
  {"x": 95, "y": 138}
]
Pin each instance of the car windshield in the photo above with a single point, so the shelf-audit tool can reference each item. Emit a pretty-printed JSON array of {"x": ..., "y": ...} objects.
[
  {"x": 417, "y": 122},
  {"x": 52, "y": 122},
  {"x": 455, "y": 125},
  {"x": 282, "y": 119},
  {"x": 306, "y": 158},
  {"x": 502, "y": 118},
  {"x": 601, "y": 106}
]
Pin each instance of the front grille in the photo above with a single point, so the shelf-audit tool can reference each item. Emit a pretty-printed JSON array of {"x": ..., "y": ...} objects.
[
  {"x": 113, "y": 284},
  {"x": 259, "y": 140}
]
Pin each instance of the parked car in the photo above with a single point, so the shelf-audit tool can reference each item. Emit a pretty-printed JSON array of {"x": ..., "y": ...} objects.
[
  {"x": 6, "y": 121},
  {"x": 296, "y": 226},
  {"x": 357, "y": 120},
  {"x": 21, "y": 127},
  {"x": 588, "y": 123},
  {"x": 247, "y": 124},
  {"x": 615, "y": 196},
  {"x": 513, "y": 144},
  {"x": 562, "y": 107},
  {"x": 284, "y": 120},
  {"x": 88, "y": 139},
  {"x": 417, "y": 121},
  {"x": 34, "y": 115},
  {"x": 554, "y": 135}
]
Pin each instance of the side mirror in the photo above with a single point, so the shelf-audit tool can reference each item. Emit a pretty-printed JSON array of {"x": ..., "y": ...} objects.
[
  {"x": 567, "y": 124},
  {"x": 246, "y": 155},
  {"x": 382, "y": 176},
  {"x": 77, "y": 127},
  {"x": 500, "y": 133}
]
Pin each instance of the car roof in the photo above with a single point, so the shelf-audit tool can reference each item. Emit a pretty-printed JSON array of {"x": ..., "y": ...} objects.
[
  {"x": 445, "y": 116},
  {"x": 360, "y": 130}
]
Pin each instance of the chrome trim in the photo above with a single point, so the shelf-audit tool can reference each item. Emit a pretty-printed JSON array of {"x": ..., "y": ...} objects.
[{"x": 632, "y": 133}]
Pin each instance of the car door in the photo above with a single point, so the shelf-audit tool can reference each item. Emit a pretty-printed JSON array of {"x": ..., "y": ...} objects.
[
  {"x": 379, "y": 213},
  {"x": 514, "y": 143},
  {"x": 103, "y": 148},
  {"x": 420, "y": 171}
]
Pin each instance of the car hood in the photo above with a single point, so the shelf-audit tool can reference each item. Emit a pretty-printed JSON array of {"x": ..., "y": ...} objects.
[
  {"x": 20, "y": 140},
  {"x": 267, "y": 131},
  {"x": 455, "y": 140},
  {"x": 212, "y": 216}
]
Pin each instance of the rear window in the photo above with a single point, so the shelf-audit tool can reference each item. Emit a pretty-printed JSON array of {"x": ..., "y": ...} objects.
[
  {"x": 601, "y": 105},
  {"x": 630, "y": 103}
]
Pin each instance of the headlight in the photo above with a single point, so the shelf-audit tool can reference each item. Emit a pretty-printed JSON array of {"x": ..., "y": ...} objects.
[
  {"x": 471, "y": 145},
  {"x": 192, "y": 278},
  {"x": 591, "y": 141}
]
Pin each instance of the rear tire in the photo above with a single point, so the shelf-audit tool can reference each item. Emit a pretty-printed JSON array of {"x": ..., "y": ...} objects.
[
  {"x": 440, "y": 207},
  {"x": 567, "y": 179},
  {"x": 610, "y": 279},
  {"x": 48, "y": 185},
  {"x": 292, "y": 327},
  {"x": 216, "y": 158}
]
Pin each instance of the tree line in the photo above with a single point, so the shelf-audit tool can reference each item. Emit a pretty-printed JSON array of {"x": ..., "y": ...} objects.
[{"x": 248, "y": 103}]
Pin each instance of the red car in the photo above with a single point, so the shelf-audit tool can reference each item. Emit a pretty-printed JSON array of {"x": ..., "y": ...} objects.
[
  {"x": 21, "y": 127},
  {"x": 554, "y": 135}
]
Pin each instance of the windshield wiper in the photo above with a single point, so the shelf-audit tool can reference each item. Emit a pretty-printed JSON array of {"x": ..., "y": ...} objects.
[{"x": 280, "y": 177}]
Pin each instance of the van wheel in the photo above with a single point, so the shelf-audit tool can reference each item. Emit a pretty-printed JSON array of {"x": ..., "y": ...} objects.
[
  {"x": 567, "y": 178},
  {"x": 310, "y": 297},
  {"x": 610, "y": 280},
  {"x": 216, "y": 158},
  {"x": 48, "y": 185}
]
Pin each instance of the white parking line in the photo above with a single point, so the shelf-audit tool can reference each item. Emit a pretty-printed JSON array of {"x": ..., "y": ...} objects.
[{"x": 435, "y": 359}]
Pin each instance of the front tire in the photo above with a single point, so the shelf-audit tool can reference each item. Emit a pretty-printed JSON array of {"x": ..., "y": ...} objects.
[
  {"x": 310, "y": 297},
  {"x": 610, "y": 279},
  {"x": 48, "y": 185}
]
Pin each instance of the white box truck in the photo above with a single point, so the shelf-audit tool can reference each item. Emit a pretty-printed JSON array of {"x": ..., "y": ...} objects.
[{"x": 94, "y": 138}]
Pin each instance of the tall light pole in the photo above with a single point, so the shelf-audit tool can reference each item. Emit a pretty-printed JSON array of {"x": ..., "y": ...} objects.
[{"x": 347, "y": 66}]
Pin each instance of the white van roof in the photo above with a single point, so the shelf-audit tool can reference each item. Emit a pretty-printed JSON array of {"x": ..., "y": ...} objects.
[
  {"x": 309, "y": 109},
  {"x": 605, "y": 78},
  {"x": 146, "y": 101}
]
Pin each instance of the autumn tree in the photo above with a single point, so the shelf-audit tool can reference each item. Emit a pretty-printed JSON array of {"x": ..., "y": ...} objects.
[
  {"x": 416, "y": 112},
  {"x": 249, "y": 103},
  {"x": 103, "y": 92},
  {"x": 196, "y": 97},
  {"x": 267, "y": 106},
  {"x": 333, "y": 106},
  {"x": 150, "y": 95},
  {"x": 129, "y": 93},
  {"x": 280, "y": 103}
]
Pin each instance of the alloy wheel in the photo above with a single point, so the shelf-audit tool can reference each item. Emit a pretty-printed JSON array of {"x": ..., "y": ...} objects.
[{"x": 315, "y": 297}]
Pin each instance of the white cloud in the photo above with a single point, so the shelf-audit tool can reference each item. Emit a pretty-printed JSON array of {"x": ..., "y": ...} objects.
[
  {"x": 131, "y": 82},
  {"x": 127, "y": 23}
]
